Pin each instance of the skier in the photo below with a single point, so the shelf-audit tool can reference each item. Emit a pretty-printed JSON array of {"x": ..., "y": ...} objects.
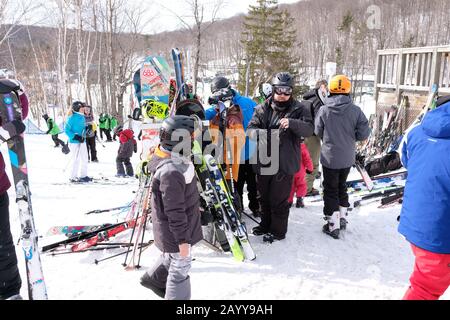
[
  {"x": 10, "y": 281},
  {"x": 127, "y": 145},
  {"x": 426, "y": 206},
  {"x": 317, "y": 97},
  {"x": 91, "y": 134},
  {"x": 299, "y": 184},
  {"x": 113, "y": 123},
  {"x": 339, "y": 123},
  {"x": 175, "y": 211},
  {"x": 238, "y": 118},
  {"x": 76, "y": 131},
  {"x": 104, "y": 127},
  {"x": 53, "y": 130},
  {"x": 292, "y": 121}
]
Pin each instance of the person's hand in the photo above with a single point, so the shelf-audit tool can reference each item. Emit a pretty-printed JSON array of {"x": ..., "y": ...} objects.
[
  {"x": 185, "y": 250},
  {"x": 78, "y": 138},
  {"x": 284, "y": 123}
]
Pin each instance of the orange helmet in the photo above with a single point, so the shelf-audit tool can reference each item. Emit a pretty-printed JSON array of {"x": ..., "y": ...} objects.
[{"x": 340, "y": 84}]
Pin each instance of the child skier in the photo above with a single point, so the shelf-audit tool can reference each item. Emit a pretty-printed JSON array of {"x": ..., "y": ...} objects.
[
  {"x": 175, "y": 211},
  {"x": 299, "y": 187},
  {"x": 53, "y": 130},
  {"x": 127, "y": 146}
]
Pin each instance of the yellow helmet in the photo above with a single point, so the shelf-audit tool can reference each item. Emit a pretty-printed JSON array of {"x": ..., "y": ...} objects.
[{"x": 340, "y": 84}]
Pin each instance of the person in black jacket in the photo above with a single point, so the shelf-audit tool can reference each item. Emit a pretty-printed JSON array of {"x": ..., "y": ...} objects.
[
  {"x": 282, "y": 121},
  {"x": 317, "y": 98}
]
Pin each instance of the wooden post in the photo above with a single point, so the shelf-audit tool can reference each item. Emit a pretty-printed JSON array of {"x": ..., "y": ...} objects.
[
  {"x": 400, "y": 75},
  {"x": 377, "y": 75},
  {"x": 435, "y": 68}
]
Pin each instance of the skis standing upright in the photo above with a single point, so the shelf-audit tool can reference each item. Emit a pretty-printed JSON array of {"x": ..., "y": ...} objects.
[{"x": 10, "y": 110}]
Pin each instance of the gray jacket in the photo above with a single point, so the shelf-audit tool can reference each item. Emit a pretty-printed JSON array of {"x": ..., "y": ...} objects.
[
  {"x": 175, "y": 203},
  {"x": 340, "y": 124}
]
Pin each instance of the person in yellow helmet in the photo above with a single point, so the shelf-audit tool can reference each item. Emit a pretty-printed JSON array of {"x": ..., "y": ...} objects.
[{"x": 340, "y": 124}]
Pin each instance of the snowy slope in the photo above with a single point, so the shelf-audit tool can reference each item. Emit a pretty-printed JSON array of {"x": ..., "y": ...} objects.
[{"x": 372, "y": 262}]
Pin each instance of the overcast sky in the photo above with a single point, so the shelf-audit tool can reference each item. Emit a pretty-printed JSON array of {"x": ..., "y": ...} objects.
[{"x": 161, "y": 14}]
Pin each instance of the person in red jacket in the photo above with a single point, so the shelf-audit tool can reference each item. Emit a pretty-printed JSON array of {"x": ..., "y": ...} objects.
[
  {"x": 127, "y": 146},
  {"x": 10, "y": 281},
  {"x": 299, "y": 187}
]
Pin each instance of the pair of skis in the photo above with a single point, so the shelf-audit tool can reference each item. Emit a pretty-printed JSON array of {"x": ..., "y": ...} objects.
[{"x": 11, "y": 111}]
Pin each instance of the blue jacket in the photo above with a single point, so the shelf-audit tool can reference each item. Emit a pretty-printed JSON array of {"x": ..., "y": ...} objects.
[
  {"x": 247, "y": 106},
  {"x": 76, "y": 124},
  {"x": 425, "y": 152}
]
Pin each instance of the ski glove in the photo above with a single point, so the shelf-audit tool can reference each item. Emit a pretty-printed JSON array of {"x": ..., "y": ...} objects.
[
  {"x": 11, "y": 129},
  {"x": 78, "y": 138},
  {"x": 308, "y": 171}
]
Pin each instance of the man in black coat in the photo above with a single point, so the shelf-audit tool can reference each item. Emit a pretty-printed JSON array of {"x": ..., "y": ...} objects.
[{"x": 281, "y": 121}]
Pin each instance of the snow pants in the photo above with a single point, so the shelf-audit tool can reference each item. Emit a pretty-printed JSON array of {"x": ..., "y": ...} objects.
[
  {"x": 120, "y": 163},
  {"x": 274, "y": 194},
  {"x": 335, "y": 190},
  {"x": 299, "y": 185},
  {"x": 57, "y": 141},
  {"x": 79, "y": 160},
  {"x": 314, "y": 145},
  {"x": 91, "y": 148},
  {"x": 171, "y": 271},
  {"x": 248, "y": 176},
  {"x": 431, "y": 276},
  {"x": 10, "y": 281}
]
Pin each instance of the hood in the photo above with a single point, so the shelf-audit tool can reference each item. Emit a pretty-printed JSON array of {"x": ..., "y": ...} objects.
[
  {"x": 437, "y": 122},
  {"x": 338, "y": 104},
  {"x": 126, "y": 135},
  {"x": 156, "y": 158}
]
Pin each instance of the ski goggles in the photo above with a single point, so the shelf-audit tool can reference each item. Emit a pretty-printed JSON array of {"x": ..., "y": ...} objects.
[{"x": 287, "y": 91}]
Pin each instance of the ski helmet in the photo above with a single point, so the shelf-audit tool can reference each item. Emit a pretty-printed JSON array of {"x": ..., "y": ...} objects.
[
  {"x": 266, "y": 90},
  {"x": 190, "y": 107},
  {"x": 340, "y": 84},
  {"x": 219, "y": 83},
  {"x": 283, "y": 79},
  {"x": 45, "y": 116},
  {"x": 77, "y": 105},
  {"x": 182, "y": 126},
  {"x": 118, "y": 130},
  {"x": 154, "y": 109}
]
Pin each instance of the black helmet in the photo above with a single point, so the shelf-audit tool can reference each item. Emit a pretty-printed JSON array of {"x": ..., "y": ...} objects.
[
  {"x": 219, "y": 83},
  {"x": 118, "y": 130},
  {"x": 283, "y": 79},
  {"x": 190, "y": 107},
  {"x": 77, "y": 105},
  {"x": 185, "y": 126},
  {"x": 45, "y": 116}
]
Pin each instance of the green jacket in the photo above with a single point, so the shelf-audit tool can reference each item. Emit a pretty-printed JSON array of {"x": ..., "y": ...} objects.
[
  {"x": 52, "y": 127},
  {"x": 113, "y": 123},
  {"x": 104, "y": 122}
]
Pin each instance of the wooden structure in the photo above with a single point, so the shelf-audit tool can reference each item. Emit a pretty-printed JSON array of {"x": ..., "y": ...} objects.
[{"x": 410, "y": 72}]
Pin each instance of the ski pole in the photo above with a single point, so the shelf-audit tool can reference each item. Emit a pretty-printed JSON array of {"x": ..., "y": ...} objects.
[
  {"x": 107, "y": 210},
  {"x": 254, "y": 220},
  {"x": 122, "y": 253},
  {"x": 142, "y": 240}
]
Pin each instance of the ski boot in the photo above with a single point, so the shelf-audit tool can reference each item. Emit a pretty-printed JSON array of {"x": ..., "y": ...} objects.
[
  {"x": 86, "y": 179},
  {"x": 270, "y": 238},
  {"x": 146, "y": 282},
  {"x": 343, "y": 213},
  {"x": 120, "y": 175},
  {"x": 300, "y": 203},
  {"x": 312, "y": 193},
  {"x": 258, "y": 231},
  {"x": 332, "y": 228}
]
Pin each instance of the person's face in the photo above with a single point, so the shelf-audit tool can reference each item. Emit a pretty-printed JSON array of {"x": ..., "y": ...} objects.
[
  {"x": 282, "y": 94},
  {"x": 87, "y": 111},
  {"x": 323, "y": 90}
]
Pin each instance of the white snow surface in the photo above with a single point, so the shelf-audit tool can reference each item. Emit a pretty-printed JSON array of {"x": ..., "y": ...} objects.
[{"x": 371, "y": 261}]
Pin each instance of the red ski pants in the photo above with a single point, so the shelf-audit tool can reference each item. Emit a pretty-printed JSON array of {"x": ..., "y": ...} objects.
[{"x": 431, "y": 276}]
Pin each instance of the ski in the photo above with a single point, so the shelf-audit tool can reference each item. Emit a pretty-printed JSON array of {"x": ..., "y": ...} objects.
[
  {"x": 71, "y": 231},
  {"x": 98, "y": 211},
  {"x": 11, "y": 111},
  {"x": 365, "y": 176},
  {"x": 384, "y": 178},
  {"x": 231, "y": 217}
]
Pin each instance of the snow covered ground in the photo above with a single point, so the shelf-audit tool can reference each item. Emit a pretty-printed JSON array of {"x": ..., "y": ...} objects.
[{"x": 372, "y": 261}]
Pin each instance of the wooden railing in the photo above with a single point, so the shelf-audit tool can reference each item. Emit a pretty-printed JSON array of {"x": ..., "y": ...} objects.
[{"x": 412, "y": 70}]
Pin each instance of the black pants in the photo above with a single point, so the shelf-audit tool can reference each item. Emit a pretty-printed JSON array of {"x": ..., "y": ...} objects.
[
  {"x": 92, "y": 150},
  {"x": 57, "y": 141},
  {"x": 128, "y": 167},
  {"x": 335, "y": 190},
  {"x": 274, "y": 192},
  {"x": 247, "y": 175},
  {"x": 10, "y": 281},
  {"x": 107, "y": 134}
]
